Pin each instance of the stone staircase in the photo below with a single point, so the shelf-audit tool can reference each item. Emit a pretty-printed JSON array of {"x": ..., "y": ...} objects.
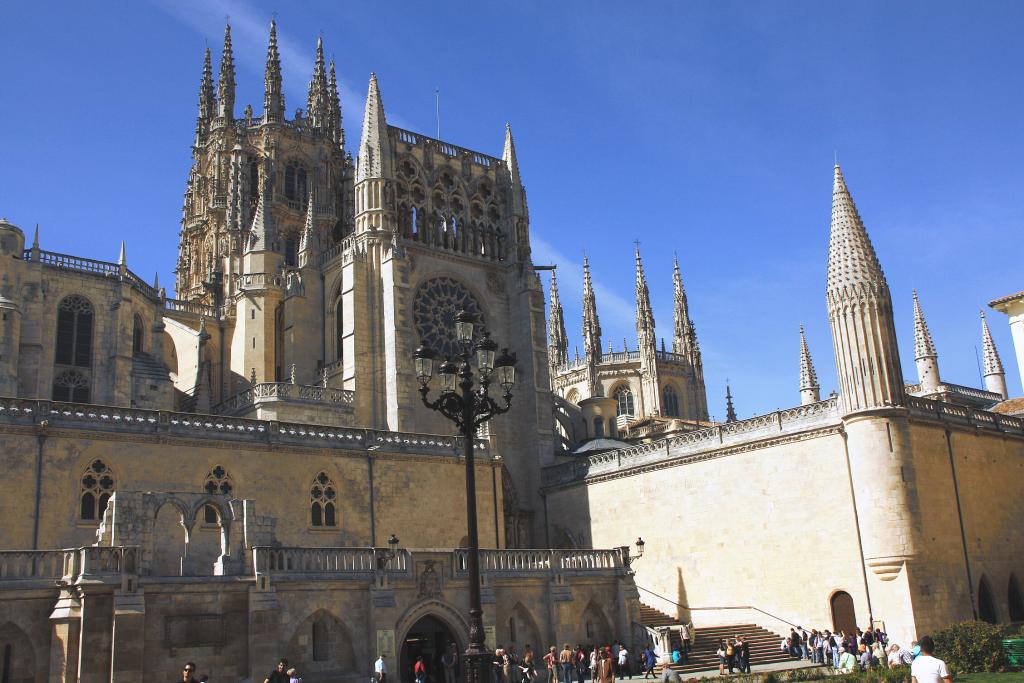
[{"x": 764, "y": 645}]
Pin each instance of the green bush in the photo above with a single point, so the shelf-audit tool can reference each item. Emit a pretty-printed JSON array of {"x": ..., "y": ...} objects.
[{"x": 971, "y": 646}]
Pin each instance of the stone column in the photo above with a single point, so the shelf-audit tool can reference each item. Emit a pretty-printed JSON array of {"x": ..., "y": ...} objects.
[
  {"x": 128, "y": 637},
  {"x": 65, "y": 626}
]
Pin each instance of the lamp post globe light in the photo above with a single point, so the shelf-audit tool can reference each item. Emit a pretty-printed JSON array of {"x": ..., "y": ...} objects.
[{"x": 469, "y": 405}]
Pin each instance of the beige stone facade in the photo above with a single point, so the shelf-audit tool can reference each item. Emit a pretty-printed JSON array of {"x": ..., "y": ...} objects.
[{"x": 217, "y": 476}]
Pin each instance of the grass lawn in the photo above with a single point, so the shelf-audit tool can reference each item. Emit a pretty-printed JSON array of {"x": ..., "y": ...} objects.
[{"x": 991, "y": 678}]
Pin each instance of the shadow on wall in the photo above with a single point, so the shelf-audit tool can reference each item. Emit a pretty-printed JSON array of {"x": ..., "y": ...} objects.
[{"x": 682, "y": 606}]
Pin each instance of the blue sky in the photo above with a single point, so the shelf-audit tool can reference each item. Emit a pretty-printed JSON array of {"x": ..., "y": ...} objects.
[{"x": 704, "y": 128}]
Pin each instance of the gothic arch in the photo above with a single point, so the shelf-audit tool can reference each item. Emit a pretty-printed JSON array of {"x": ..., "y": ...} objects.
[
  {"x": 596, "y": 627},
  {"x": 440, "y": 610},
  {"x": 986, "y": 604},
  {"x": 521, "y": 629},
  {"x": 1014, "y": 600},
  {"x": 17, "y": 657},
  {"x": 321, "y": 645}
]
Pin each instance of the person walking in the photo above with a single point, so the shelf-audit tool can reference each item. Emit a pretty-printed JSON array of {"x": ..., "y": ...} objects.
[
  {"x": 927, "y": 668},
  {"x": 419, "y": 670},
  {"x": 624, "y": 668},
  {"x": 684, "y": 633},
  {"x": 380, "y": 670},
  {"x": 605, "y": 670},
  {"x": 551, "y": 661},
  {"x": 565, "y": 660},
  {"x": 187, "y": 672},
  {"x": 649, "y": 661}
]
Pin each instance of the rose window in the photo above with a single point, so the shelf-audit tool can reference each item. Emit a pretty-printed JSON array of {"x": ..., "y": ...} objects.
[{"x": 435, "y": 306}]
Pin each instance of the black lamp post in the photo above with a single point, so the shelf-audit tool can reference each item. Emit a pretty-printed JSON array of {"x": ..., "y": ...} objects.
[{"x": 469, "y": 408}]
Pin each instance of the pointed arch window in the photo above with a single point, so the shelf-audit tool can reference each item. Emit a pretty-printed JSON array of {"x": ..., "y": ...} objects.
[
  {"x": 624, "y": 401},
  {"x": 138, "y": 335},
  {"x": 339, "y": 327},
  {"x": 74, "y": 350},
  {"x": 1014, "y": 601},
  {"x": 670, "y": 401},
  {"x": 986, "y": 604},
  {"x": 323, "y": 496},
  {"x": 295, "y": 186},
  {"x": 97, "y": 486},
  {"x": 218, "y": 482}
]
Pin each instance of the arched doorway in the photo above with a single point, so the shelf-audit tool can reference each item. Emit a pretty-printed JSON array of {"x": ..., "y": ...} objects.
[
  {"x": 429, "y": 638},
  {"x": 844, "y": 618},
  {"x": 986, "y": 605}
]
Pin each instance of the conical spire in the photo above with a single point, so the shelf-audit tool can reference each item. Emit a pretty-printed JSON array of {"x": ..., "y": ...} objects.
[
  {"x": 644, "y": 313},
  {"x": 262, "y": 232},
  {"x": 273, "y": 95},
  {"x": 809, "y": 389},
  {"x": 122, "y": 259},
  {"x": 591, "y": 324},
  {"x": 318, "y": 105},
  {"x": 860, "y": 312},
  {"x": 337, "y": 133},
  {"x": 684, "y": 336},
  {"x": 207, "y": 100},
  {"x": 995, "y": 378},
  {"x": 509, "y": 156},
  {"x": 308, "y": 244},
  {"x": 989, "y": 355},
  {"x": 851, "y": 257},
  {"x": 924, "y": 347},
  {"x": 730, "y": 411},
  {"x": 558, "y": 341},
  {"x": 374, "y": 154},
  {"x": 226, "y": 81}
]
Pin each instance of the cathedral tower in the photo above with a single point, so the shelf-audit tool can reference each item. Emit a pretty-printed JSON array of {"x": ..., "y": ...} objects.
[{"x": 871, "y": 401}]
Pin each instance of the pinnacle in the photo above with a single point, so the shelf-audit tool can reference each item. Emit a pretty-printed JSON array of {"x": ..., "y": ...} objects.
[
  {"x": 808, "y": 377},
  {"x": 851, "y": 257},
  {"x": 644, "y": 314},
  {"x": 226, "y": 79},
  {"x": 924, "y": 347},
  {"x": 509, "y": 156},
  {"x": 993, "y": 365},
  {"x": 374, "y": 161}
]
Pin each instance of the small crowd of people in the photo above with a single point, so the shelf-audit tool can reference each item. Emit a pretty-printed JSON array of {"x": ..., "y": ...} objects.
[
  {"x": 855, "y": 651},
  {"x": 733, "y": 653},
  {"x": 282, "y": 673}
]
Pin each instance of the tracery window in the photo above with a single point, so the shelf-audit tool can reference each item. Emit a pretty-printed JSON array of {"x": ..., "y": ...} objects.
[
  {"x": 323, "y": 500},
  {"x": 218, "y": 482},
  {"x": 435, "y": 306},
  {"x": 295, "y": 182},
  {"x": 74, "y": 349},
  {"x": 97, "y": 487},
  {"x": 670, "y": 401},
  {"x": 624, "y": 401}
]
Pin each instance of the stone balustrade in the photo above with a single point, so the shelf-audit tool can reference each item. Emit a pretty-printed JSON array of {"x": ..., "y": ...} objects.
[
  {"x": 93, "y": 563},
  {"x": 106, "y": 269},
  {"x": 190, "y": 308},
  {"x": 532, "y": 562},
  {"x": 310, "y": 393},
  {"x": 162, "y": 423}
]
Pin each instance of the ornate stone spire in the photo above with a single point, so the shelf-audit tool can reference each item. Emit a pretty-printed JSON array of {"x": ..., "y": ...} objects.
[
  {"x": 684, "y": 336},
  {"x": 730, "y": 411},
  {"x": 509, "y": 156},
  {"x": 810, "y": 392},
  {"x": 591, "y": 330},
  {"x": 318, "y": 103},
  {"x": 273, "y": 93},
  {"x": 374, "y": 150},
  {"x": 337, "y": 132},
  {"x": 995, "y": 378},
  {"x": 644, "y": 314},
  {"x": 591, "y": 324},
  {"x": 860, "y": 311},
  {"x": 207, "y": 99},
  {"x": 558, "y": 342},
  {"x": 647, "y": 344},
  {"x": 309, "y": 243},
  {"x": 925, "y": 357},
  {"x": 226, "y": 80},
  {"x": 261, "y": 235}
]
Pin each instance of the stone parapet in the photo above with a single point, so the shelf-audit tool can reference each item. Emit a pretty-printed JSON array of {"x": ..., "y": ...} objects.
[{"x": 31, "y": 412}]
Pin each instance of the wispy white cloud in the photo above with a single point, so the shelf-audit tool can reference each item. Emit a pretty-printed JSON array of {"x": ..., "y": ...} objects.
[
  {"x": 615, "y": 312},
  {"x": 249, "y": 32}
]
